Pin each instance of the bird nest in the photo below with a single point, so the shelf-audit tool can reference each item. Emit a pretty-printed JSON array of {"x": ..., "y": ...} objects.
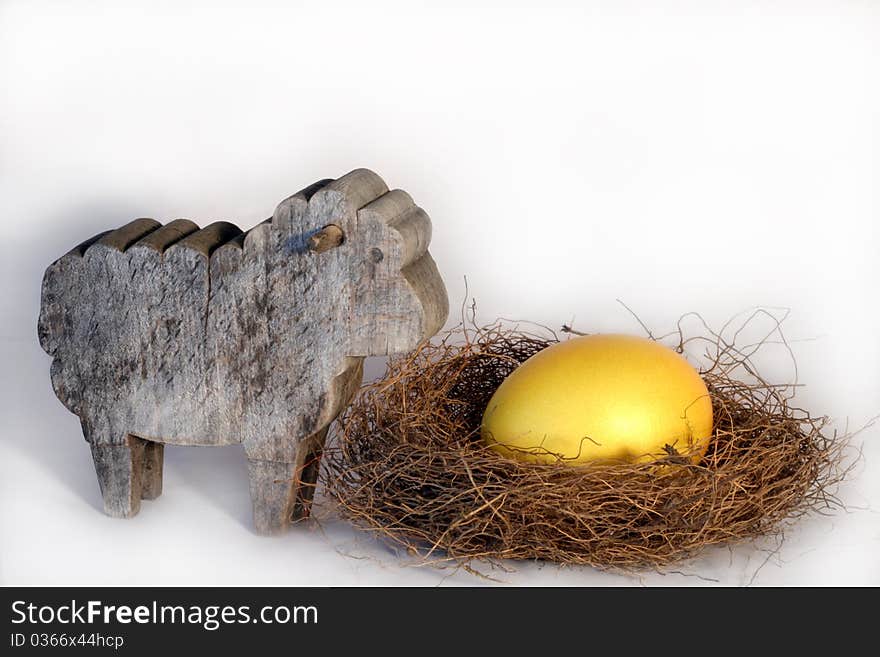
[{"x": 408, "y": 463}]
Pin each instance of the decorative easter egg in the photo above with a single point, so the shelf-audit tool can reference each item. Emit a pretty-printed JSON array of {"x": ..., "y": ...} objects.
[{"x": 600, "y": 398}]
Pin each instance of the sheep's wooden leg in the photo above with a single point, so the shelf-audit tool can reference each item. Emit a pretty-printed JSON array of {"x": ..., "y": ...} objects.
[
  {"x": 120, "y": 470},
  {"x": 281, "y": 492},
  {"x": 154, "y": 454},
  {"x": 272, "y": 494},
  {"x": 309, "y": 458}
]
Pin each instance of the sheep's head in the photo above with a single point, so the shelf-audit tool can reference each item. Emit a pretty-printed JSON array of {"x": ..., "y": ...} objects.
[{"x": 371, "y": 247}]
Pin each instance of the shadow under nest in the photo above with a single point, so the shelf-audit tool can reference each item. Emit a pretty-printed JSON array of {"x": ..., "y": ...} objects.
[{"x": 408, "y": 463}]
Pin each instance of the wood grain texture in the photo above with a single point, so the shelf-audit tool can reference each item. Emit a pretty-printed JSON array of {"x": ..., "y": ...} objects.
[{"x": 179, "y": 335}]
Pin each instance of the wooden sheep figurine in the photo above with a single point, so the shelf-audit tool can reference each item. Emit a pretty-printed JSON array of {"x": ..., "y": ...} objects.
[{"x": 175, "y": 335}]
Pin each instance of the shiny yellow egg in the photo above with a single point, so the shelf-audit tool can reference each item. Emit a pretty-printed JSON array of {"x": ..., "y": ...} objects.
[{"x": 600, "y": 398}]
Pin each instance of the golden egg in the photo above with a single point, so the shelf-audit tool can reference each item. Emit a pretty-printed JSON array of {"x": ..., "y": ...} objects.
[{"x": 600, "y": 397}]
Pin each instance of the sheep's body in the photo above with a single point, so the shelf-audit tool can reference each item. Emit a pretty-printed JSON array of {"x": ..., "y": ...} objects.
[{"x": 170, "y": 334}]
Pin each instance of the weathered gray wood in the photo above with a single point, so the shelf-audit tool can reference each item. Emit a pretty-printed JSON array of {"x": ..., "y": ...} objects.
[
  {"x": 282, "y": 492},
  {"x": 307, "y": 476},
  {"x": 120, "y": 470},
  {"x": 151, "y": 483},
  {"x": 216, "y": 336},
  {"x": 273, "y": 494}
]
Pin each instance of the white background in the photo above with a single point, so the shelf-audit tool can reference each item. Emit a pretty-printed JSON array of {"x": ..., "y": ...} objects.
[{"x": 680, "y": 156}]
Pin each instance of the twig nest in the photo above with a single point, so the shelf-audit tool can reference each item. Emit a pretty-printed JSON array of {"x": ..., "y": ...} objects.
[{"x": 408, "y": 463}]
